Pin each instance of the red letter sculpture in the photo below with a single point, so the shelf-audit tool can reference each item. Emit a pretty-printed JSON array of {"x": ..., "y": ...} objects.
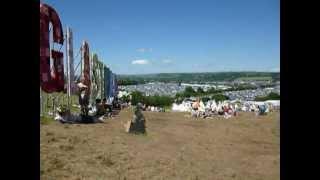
[{"x": 51, "y": 80}]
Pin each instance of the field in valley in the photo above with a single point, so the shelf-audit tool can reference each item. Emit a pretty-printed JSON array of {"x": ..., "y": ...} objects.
[{"x": 246, "y": 147}]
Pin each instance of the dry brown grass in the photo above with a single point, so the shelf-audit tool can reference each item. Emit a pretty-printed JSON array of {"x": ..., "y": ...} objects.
[{"x": 176, "y": 147}]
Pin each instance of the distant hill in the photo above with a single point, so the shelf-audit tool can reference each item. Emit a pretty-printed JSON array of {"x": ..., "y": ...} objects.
[{"x": 200, "y": 77}]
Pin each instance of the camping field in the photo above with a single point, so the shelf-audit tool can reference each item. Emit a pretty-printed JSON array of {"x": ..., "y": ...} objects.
[{"x": 177, "y": 147}]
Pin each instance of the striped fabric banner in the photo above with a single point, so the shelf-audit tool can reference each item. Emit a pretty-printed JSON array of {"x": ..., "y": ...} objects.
[
  {"x": 94, "y": 88},
  {"x": 101, "y": 80},
  {"x": 106, "y": 82},
  {"x": 85, "y": 78},
  {"x": 110, "y": 84}
]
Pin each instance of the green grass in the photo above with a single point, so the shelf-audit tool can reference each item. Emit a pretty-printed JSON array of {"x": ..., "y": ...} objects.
[
  {"x": 60, "y": 99},
  {"x": 167, "y": 108},
  {"x": 46, "y": 120},
  {"x": 265, "y": 78}
]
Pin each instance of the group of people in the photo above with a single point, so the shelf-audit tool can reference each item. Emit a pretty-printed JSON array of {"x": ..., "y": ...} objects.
[
  {"x": 102, "y": 108},
  {"x": 226, "y": 109},
  {"x": 200, "y": 110},
  {"x": 153, "y": 109},
  {"x": 88, "y": 114}
]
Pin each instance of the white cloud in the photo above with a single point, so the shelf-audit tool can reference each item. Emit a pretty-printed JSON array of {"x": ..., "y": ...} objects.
[
  {"x": 140, "y": 61},
  {"x": 167, "y": 61},
  {"x": 142, "y": 50}
]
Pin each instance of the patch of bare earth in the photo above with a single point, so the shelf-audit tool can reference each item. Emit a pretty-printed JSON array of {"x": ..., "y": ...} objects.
[{"x": 176, "y": 146}]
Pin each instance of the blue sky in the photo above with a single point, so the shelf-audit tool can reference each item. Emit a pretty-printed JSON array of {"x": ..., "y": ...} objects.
[{"x": 160, "y": 36}]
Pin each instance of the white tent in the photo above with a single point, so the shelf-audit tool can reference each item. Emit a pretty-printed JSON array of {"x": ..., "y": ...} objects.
[
  {"x": 183, "y": 107},
  {"x": 273, "y": 102}
]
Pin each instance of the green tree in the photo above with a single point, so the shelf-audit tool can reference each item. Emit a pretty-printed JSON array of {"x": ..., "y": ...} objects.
[
  {"x": 189, "y": 89},
  {"x": 188, "y": 92},
  {"x": 125, "y": 98},
  {"x": 270, "y": 96},
  {"x": 137, "y": 97},
  {"x": 211, "y": 90},
  {"x": 219, "y": 97},
  {"x": 200, "y": 90},
  {"x": 205, "y": 99}
]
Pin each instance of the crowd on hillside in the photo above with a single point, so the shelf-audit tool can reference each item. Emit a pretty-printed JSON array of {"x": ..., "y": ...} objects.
[{"x": 227, "y": 109}]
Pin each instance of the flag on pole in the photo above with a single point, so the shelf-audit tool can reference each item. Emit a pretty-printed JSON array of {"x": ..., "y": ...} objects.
[
  {"x": 106, "y": 75},
  {"x": 85, "y": 76},
  {"x": 70, "y": 65}
]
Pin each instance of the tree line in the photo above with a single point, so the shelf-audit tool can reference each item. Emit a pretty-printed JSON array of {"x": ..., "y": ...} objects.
[
  {"x": 156, "y": 100},
  {"x": 270, "y": 96},
  {"x": 211, "y": 94},
  {"x": 198, "y": 77}
]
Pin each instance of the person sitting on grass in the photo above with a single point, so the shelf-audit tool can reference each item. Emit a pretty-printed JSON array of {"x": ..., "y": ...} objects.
[
  {"x": 65, "y": 116},
  {"x": 221, "y": 110},
  {"x": 107, "y": 107},
  {"x": 262, "y": 109},
  {"x": 227, "y": 112},
  {"x": 104, "y": 103},
  {"x": 100, "y": 108}
]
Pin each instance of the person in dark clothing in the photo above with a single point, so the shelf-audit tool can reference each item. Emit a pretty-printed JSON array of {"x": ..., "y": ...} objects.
[
  {"x": 104, "y": 101},
  {"x": 83, "y": 99},
  {"x": 100, "y": 108},
  {"x": 262, "y": 109}
]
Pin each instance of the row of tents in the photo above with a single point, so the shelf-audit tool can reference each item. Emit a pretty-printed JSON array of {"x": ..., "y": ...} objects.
[{"x": 186, "y": 106}]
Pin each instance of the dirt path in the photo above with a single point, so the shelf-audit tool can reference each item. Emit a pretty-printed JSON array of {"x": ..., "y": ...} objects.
[{"x": 176, "y": 147}]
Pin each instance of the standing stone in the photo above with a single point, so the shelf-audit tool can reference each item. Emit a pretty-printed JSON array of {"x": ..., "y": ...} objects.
[{"x": 137, "y": 124}]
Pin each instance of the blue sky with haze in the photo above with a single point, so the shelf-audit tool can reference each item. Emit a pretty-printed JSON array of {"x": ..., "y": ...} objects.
[{"x": 160, "y": 36}]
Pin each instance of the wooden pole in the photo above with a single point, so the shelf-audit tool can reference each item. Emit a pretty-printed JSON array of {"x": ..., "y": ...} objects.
[
  {"x": 70, "y": 68},
  {"x": 53, "y": 113},
  {"x": 41, "y": 101}
]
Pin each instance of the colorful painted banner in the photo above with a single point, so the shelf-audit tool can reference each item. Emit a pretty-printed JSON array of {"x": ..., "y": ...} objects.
[{"x": 85, "y": 77}]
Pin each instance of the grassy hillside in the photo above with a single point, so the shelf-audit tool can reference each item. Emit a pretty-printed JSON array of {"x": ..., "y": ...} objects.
[{"x": 176, "y": 147}]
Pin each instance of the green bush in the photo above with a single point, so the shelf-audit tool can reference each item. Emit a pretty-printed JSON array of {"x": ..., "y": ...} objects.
[
  {"x": 155, "y": 100},
  {"x": 189, "y": 89},
  {"x": 211, "y": 90},
  {"x": 219, "y": 97},
  {"x": 200, "y": 90},
  {"x": 125, "y": 98},
  {"x": 137, "y": 97},
  {"x": 205, "y": 99}
]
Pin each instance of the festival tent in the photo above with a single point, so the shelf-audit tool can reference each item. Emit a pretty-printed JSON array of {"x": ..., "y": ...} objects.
[
  {"x": 201, "y": 107},
  {"x": 273, "y": 102},
  {"x": 123, "y": 93},
  {"x": 185, "y": 106}
]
